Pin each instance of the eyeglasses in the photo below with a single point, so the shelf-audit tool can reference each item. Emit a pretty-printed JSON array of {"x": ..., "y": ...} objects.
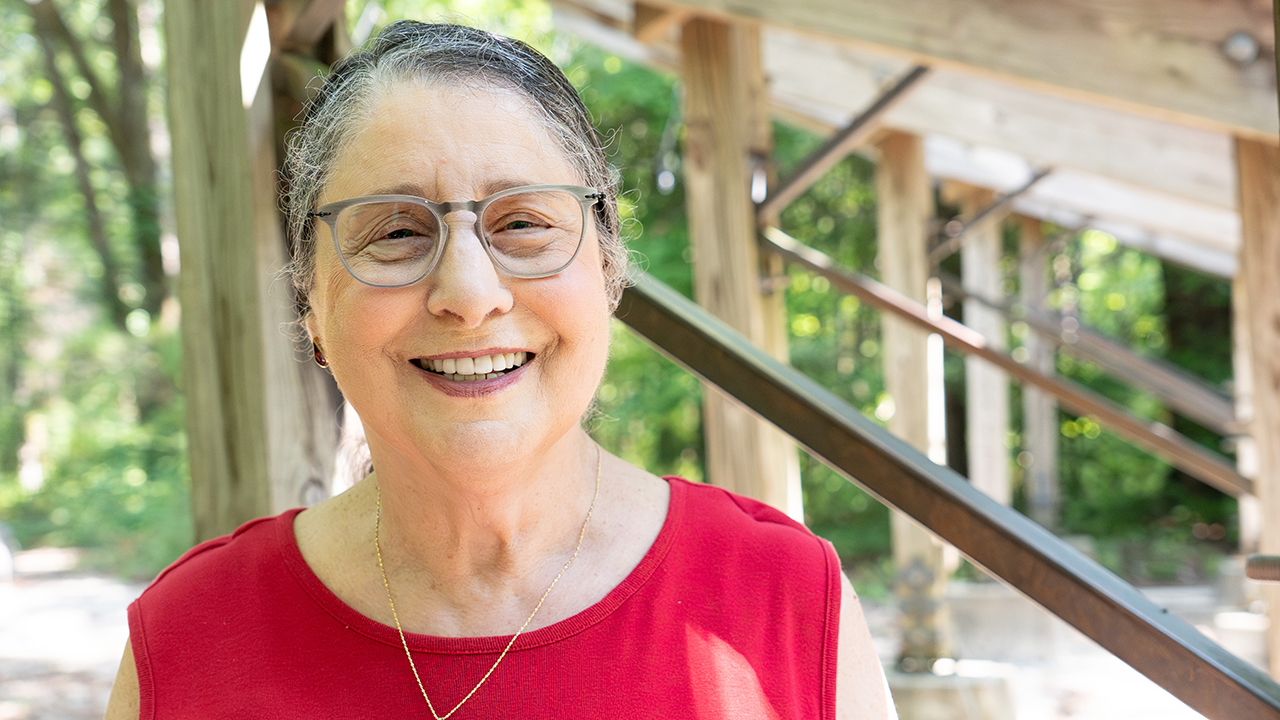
[{"x": 532, "y": 231}]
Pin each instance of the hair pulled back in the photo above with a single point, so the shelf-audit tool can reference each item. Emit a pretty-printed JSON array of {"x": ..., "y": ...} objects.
[{"x": 415, "y": 52}]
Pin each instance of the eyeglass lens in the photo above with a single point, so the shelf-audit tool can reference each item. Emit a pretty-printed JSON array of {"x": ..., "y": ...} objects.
[{"x": 396, "y": 242}]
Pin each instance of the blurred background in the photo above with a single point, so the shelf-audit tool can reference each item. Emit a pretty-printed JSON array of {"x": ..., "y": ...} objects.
[{"x": 94, "y": 486}]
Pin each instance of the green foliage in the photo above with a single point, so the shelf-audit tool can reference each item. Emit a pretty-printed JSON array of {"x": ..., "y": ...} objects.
[
  {"x": 114, "y": 461},
  {"x": 1151, "y": 523},
  {"x": 115, "y": 472},
  {"x": 93, "y": 409},
  {"x": 835, "y": 339}
]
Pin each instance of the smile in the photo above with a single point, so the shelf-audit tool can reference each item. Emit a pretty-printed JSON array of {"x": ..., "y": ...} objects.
[{"x": 466, "y": 369}]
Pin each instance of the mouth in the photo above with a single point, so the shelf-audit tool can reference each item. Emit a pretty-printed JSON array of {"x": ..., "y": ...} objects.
[{"x": 474, "y": 369}]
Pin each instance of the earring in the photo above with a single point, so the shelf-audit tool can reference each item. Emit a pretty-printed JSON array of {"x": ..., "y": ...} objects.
[{"x": 319, "y": 354}]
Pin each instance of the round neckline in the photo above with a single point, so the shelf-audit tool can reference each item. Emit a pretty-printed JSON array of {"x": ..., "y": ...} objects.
[{"x": 374, "y": 630}]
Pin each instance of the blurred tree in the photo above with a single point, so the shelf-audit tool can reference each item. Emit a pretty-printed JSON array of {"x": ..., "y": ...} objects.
[{"x": 106, "y": 60}]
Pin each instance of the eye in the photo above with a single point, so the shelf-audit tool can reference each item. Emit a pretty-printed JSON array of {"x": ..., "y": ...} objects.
[
  {"x": 518, "y": 225},
  {"x": 400, "y": 234}
]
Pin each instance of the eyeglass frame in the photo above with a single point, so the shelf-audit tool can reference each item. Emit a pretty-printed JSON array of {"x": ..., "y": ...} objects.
[{"x": 329, "y": 212}]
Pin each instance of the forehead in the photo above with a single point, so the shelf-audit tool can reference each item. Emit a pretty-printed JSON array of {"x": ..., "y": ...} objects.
[{"x": 448, "y": 141}]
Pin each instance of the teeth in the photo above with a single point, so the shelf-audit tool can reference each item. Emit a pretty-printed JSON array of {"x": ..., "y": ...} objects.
[{"x": 485, "y": 367}]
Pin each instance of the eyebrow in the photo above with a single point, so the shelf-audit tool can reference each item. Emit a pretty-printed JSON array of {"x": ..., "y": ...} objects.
[{"x": 489, "y": 188}]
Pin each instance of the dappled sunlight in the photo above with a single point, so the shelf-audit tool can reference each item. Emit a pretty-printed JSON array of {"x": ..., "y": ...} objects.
[{"x": 723, "y": 682}]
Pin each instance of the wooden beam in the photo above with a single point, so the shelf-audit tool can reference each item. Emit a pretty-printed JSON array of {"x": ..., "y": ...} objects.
[
  {"x": 1161, "y": 59},
  {"x": 1152, "y": 436},
  {"x": 1248, "y": 509},
  {"x": 297, "y": 25},
  {"x": 652, "y": 23},
  {"x": 302, "y": 401},
  {"x": 1259, "y": 165},
  {"x": 720, "y": 68},
  {"x": 1178, "y": 229},
  {"x": 1157, "y": 186},
  {"x": 213, "y": 199},
  {"x": 1039, "y": 409},
  {"x": 840, "y": 144},
  {"x": 986, "y": 387},
  {"x": 904, "y": 206},
  {"x": 1048, "y": 130},
  {"x": 974, "y": 219}
]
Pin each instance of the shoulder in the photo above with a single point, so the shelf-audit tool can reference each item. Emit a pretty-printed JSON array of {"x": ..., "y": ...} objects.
[
  {"x": 741, "y": 536},
  {"x": 741, "y": 520},
  {"x": 211, "y": 573}
]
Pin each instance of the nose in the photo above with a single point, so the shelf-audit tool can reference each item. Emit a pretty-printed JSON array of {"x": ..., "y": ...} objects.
[{"x": 465, "y": 284}]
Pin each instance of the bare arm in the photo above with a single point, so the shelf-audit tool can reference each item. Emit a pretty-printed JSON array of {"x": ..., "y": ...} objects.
[
  {"x": 123, "y": 704},
  {"x": 862, "y": 692}
]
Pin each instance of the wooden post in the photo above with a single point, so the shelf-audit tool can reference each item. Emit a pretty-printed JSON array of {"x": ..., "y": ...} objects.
[
  {"x": 213, "y": 198},
  {"x": 724, "y": 112},
  {"x": 1258, "y": 165},
  {"x": 302, "y": 401},
  {"x": 904, "y": 202},
  {"x": 261, "y": 423},
  {"x": 986, "y": 387},
  {"x": 1247, "y": 506},
  {"x": 1039, "y": 409}
]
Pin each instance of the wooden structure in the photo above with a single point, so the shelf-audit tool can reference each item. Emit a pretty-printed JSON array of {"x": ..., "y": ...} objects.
[
  {"x": 261, "y": 419},
  {"x": 1158, "y": 120},
  {"x": 1124, "y": 116}
]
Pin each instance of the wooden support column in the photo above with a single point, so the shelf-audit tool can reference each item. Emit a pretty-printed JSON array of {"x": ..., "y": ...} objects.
[
  {"x": 1039, "y": 409},
  {"x": 904, "y": 202},
  {"x": 302, "y": 401},
  {"x": 1247, "y": 506},
  {"x": 223, "y": 371},
  {"x": 986, "y": 386},
  {"x": 724, "y": 107},
  {"x": 260, "y": 423},
  {"x": 1259, "y": 186}
]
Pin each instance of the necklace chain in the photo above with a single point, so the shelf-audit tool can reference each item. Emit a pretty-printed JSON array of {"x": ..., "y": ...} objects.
[{"x": 377, "y": 546}]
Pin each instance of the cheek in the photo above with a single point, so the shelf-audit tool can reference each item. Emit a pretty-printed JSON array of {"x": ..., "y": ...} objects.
[{"x": 350, "y": 317}]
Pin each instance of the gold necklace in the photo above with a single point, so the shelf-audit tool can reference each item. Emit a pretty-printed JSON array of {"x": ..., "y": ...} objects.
[{"x": 377, "y": 546}]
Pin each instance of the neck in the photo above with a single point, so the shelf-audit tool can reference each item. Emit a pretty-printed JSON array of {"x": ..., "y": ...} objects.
[{"x": 488, "y": 522}]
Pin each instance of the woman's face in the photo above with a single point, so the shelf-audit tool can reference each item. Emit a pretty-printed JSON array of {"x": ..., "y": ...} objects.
[{"x": 449, "y": 143}]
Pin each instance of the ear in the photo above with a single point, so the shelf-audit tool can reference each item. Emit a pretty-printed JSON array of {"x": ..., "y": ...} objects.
[{"x": 310, "y": 325}]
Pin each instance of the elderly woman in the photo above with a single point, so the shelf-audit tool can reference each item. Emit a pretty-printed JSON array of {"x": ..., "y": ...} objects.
[{"x": 458, "y": 256}]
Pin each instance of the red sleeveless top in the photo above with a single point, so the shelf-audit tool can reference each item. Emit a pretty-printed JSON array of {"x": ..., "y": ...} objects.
[{"x": 733, "y": 613}]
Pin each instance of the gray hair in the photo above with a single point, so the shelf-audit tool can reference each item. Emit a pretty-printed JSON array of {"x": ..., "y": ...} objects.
[{"x": 408, "y": 51}]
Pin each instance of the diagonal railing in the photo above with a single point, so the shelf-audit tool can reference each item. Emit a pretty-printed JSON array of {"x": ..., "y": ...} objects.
[
  {"x": 1157, "y": 438},
  {"x": 1179, "y": 390},
  {"x": 1008, "y": 545}
]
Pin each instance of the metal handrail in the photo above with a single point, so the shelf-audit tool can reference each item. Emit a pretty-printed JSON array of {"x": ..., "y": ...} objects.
[{"x": 1032, "y": 560}]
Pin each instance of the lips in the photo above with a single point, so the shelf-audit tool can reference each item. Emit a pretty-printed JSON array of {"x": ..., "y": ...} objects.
[{"x": 472, "y": 369}]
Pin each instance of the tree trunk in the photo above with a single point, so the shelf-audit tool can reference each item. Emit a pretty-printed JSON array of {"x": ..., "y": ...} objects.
[
  {"x": 134, "y": 147},
  {"x": 61, "y": 101}
]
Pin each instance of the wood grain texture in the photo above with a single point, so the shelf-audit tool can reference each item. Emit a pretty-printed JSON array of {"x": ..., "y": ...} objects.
[
  {"x": 1156, "y": 58},
  {"x": 1156, "y": 185},
  {"x": 1259, "y": 165},
  {"x": 221, "y": 339},
  {"x": 720, "y": 69},
  {"x": 302, "y": 401},
  {"x": 903, "y": 209},
  {"x": 986, "y": 386}
]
